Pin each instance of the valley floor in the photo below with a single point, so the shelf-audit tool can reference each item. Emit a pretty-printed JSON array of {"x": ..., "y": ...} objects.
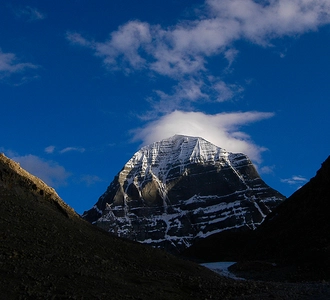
[{"x": 270, "y": 278}]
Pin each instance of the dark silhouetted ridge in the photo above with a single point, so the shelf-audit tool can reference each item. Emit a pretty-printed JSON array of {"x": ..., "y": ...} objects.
[{"x": 295, "y": 236}]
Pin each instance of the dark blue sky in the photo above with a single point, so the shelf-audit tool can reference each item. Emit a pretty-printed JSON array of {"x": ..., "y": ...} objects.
[{"x": 85, "y": 83}]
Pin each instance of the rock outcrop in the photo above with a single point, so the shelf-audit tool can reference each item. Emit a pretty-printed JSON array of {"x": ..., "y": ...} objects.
[{"x": 176, "y": 191}]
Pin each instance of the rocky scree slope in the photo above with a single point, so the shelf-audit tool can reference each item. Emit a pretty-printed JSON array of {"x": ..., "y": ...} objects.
[
  {"x": 48, "y": 252},
  {"x": 182, "y": 189}
]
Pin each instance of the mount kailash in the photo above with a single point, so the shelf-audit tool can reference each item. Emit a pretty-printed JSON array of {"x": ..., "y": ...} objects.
[{"x": 181, "y": 189}]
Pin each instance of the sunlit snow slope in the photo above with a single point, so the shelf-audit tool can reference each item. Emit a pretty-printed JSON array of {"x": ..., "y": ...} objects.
[{"x": 178, "y": 190}]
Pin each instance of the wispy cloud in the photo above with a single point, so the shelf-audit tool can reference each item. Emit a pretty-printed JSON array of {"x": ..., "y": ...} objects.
[
  {"x": 29, "y": 14},
  {"x": 50, "y": 149},
  {"x": 188, "y": 92},
  {"x": 9, "y": 64},
  {"x": 220, "y": 129},
  {"x": 295, "y": 180},
  {"x": 231, "y": 55},
  {"x": 181, "y": 51},
  {"x": 72, "y": 149},
  {"x": 49, "y": 171},
  {"x": 267, "y": 170},
  {"x": 90, "y": 179}
]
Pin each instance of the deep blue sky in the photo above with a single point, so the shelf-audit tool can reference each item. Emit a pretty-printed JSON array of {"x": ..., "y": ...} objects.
[{"x": 85, "y": 83}]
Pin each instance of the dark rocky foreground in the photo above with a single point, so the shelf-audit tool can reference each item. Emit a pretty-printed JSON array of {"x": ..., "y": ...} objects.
[{"x": 48, "y": 252}]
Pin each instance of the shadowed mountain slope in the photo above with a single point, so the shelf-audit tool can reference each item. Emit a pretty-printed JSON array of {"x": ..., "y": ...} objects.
[
  {"x": 48, "y": 252},
  {"x": 295, "y": 235}
]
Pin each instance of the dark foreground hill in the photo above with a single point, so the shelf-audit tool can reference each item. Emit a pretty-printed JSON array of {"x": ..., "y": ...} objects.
[
  {"x": 295, "y": 237},
  {"x": 48, "y": 252}
]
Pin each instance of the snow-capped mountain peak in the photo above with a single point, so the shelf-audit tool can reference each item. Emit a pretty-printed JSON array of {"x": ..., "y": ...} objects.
[
  {"x": 180, "y": 189},
  {"x": 178, "y": 150}
]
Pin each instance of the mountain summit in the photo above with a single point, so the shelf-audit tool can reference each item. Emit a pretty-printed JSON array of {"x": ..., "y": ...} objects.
[{"x": 181, "y": 189}]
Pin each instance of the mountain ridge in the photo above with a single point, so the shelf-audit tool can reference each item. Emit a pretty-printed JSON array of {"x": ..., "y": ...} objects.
[
  {"x": 47, "y": 254},
  {"x": 294, "y": 239},
  {"x": 14, "y": 177},
  {"x": 180, "y": 189}
]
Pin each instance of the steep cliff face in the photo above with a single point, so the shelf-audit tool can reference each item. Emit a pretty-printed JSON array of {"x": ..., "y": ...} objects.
[{"x": 181, "y": 189}]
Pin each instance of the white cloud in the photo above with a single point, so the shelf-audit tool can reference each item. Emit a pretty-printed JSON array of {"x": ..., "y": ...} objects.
[
  {"x": 184, "y": 93},
  {"x": 125, "y": 48},
  {"x": 9, "y": 65},
  {"x": 188, "y": 92},
  {"x": 49, "y": 171},
  {"x": 267, "y": 170},
  {"x": 260, "y": 21},
  {"x": 182, "y": 48},
  {"x": 220, "y": 129},
  {"x": 225, "y": 91},
  {"x": 295, "y": 180},
  {"x": 29, "y": 14},
  {"x": 231, "y": 55},
  {"x": 77, "y": 39},
  {"x": 181, "y": 51},
  {"x": 191, "y": 90},
  {"x": 70, "y": 149},
  {"x": 50, "y": 149}
]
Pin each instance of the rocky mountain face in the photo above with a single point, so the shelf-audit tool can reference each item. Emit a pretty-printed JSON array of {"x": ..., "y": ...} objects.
[
  {"x": 295, "y": 237},
  {"x": 176, "y": 191}
]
